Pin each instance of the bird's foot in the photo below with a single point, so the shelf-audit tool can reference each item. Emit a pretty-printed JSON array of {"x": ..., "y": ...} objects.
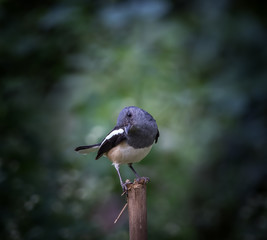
[
  {"x": 142, "y": 180},
  {"x": 125, "y": 188}
]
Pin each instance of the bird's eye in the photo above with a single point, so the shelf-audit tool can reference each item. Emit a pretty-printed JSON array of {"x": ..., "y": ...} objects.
[{"x": 129, "y": 114}]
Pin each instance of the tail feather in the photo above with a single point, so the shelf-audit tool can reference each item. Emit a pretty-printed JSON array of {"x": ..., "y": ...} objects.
[{"x": 87, "y": 149}]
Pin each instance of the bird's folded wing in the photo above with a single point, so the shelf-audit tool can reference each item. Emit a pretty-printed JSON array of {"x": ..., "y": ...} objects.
[{"x": 116, "y": 136}]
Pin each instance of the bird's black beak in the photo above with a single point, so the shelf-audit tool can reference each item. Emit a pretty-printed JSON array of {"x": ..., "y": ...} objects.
[{"x": 127, "y": 128}]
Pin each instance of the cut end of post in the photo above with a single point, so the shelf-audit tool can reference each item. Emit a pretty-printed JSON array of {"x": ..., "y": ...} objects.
[{"x": 138, "y": 183}]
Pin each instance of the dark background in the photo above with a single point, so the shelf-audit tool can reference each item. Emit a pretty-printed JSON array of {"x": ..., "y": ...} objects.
[{"x": 68, "y": 68}]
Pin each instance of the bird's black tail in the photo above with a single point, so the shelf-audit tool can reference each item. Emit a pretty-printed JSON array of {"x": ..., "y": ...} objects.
[{"x": 87, "y": 149}]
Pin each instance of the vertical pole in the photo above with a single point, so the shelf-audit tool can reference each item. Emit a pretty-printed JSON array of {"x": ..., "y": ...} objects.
[{"x": 137, "y": 210}]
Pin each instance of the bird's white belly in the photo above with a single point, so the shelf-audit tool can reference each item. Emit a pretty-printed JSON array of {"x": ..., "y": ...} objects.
[{"x": 123, "y": 153}]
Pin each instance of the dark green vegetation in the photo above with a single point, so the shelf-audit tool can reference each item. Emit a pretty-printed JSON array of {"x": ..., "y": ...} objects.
[{"x": 68, "y": 68}]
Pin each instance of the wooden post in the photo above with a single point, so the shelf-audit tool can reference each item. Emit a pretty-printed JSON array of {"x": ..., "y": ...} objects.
[{"x": 137, "y": 210}]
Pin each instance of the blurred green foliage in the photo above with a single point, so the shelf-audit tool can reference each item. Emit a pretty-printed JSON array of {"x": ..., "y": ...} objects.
[{"x": 68, "y": 68}]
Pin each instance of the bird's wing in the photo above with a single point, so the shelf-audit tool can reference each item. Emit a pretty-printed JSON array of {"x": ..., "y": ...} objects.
[
  {"x": 88, "y": 148},
  {"x": 157, "y": 136},
  {"x": 116, "y": 136}
]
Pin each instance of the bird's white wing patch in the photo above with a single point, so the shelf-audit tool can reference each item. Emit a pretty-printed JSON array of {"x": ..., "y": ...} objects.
[{"x": 114, "y": 132}]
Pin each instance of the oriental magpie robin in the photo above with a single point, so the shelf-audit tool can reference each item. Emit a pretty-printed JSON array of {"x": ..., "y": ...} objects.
[{"x": 129, "y": 141}]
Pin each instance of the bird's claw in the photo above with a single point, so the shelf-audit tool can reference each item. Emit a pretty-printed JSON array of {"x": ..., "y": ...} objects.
[
  {"x": 125, "y": 188},
  {"x": 143, "y": 180}
]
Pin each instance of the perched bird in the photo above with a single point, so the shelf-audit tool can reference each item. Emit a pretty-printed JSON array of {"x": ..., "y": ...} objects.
[{"x": 129, "y": 141}]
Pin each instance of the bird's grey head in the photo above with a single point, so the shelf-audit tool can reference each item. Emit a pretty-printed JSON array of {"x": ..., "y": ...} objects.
[
  {"x": 134, "y": 116},
  {"x": 140, "y": 126}
]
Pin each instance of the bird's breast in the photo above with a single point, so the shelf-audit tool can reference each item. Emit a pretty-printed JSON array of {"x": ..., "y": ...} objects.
[{"x": 124, "y": 153}]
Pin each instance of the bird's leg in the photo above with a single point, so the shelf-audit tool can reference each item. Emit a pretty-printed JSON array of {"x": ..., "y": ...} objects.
[
  {"x": 137, "y": 175},
  {"x": 123, "y": 185}
]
